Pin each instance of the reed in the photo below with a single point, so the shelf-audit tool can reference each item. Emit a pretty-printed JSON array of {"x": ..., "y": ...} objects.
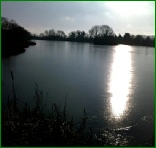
[{"x": 25, "y": 126}]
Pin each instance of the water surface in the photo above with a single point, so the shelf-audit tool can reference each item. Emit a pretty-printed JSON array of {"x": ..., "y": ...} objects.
[{"x": 115, "y": 84}]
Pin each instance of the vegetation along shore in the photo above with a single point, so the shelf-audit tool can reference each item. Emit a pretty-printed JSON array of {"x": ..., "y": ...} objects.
[{"x": 15, "y": 38}]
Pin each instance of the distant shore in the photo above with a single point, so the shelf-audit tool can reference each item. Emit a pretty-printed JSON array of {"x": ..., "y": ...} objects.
[{"x": 95, "y": 43}]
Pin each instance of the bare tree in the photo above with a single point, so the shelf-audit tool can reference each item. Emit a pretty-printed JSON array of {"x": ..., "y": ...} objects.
[
  {"x": 94, "y": 31},
  {"x": 52, "y": 32},
  {"x": 106, "y": 31},
  {"x": 46, "y": 32},
  {"x": 61, "y": 33}
]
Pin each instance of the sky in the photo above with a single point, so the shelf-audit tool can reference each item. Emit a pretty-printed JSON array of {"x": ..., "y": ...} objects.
[{"x": 132, "y": 17}]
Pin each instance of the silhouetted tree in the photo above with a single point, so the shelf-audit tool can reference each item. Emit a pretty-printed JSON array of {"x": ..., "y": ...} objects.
[
  {"x": 14, "y": 37},
  {"x": 105, "y": 30},
  {"x": 72, "y": 36},
  {"x": 61, "y": 34},
  {"x": 79, "y": 36},
  {"x": 52, "y": 32},
  {"x": 46, "y": 33},
  {"x": 119, "y": 39},
  {"x": 149, "y": 41},
  {"x": 41, "y": 35},
  {"x": 103, "y": 35},
  {"x": 94, "y": 31},
  {"x": 139, "y": 39},
  {"x": 127, "y": 38},
  {"x": 98, "y": 34},
  {"x": 52, "y": 35}
]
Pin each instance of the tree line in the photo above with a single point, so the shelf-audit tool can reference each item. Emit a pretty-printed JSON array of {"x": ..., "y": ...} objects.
[
  {"x": 98, "y": 34},
  {"x": 15, "y": 38}
]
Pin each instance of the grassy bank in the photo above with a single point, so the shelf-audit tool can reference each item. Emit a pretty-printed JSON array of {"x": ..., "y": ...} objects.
[
  {"x": 35, "y": 128},
  {"x": 25, "y": 126}
]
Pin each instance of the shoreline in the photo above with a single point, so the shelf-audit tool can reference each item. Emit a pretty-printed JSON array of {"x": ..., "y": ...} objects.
[{"x": 15, "y": 49}]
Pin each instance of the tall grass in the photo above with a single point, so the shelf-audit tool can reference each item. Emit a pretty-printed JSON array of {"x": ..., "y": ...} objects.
[{"x": 25, "y": 126}]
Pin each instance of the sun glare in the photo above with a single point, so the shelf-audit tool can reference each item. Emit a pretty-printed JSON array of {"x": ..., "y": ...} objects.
[
  {"x": 127, "y": 8},
  {"x": 120, "y": 80}
]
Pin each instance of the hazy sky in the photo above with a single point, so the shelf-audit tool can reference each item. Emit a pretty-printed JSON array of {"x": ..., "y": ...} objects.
[{"x": 36, "y": 17}]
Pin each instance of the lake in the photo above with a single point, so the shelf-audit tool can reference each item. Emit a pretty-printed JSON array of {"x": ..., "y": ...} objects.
[{"x": 115, "y": 85}]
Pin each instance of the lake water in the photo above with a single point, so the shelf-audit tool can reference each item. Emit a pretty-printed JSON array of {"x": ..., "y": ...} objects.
[{"x": 115, "y": 85}]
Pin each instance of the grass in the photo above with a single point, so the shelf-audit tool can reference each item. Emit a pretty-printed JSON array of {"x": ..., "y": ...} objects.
[{"x": 40, "y": 127}]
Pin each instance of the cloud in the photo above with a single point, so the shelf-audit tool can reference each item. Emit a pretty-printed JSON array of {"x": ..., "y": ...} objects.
[
  {"x": 67, "y": 18},
  {"x": 70, "y": 16}
]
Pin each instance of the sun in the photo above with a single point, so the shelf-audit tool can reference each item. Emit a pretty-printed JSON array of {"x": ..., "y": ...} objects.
[{"x": 127, "y": 8}]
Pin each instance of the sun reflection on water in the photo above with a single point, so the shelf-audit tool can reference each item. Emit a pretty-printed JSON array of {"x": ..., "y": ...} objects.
[{"x": 120, "y": 80}]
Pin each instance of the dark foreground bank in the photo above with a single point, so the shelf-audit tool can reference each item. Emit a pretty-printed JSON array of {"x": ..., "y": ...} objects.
[{"x": 25, "y": 126}]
